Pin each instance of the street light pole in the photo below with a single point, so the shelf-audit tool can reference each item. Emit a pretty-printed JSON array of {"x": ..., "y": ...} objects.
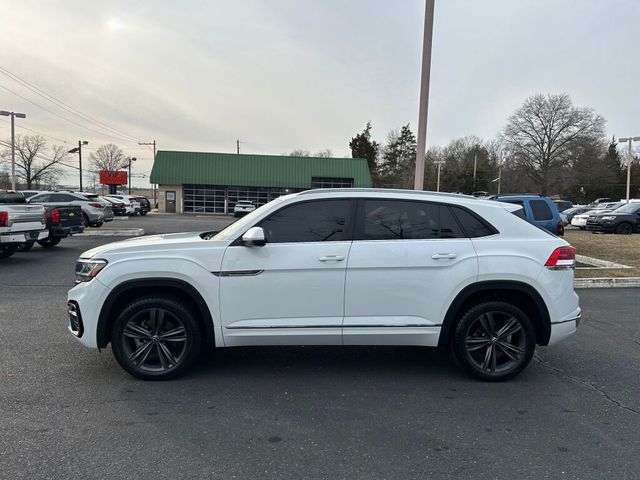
[
  {"x": 439, "y": 163},
  {"x": 131, "y": 159},
  {"x": 630, "y": 140},
  {"x": 13, "y": 115},
  {"x": 78, "y": 150},
  {"x": 424, "y": 94},
  {"x": 154, "y": 159}
]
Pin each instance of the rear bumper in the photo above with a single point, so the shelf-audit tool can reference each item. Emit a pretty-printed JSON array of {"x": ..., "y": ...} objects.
[
  {"x": 565, "y": 328},
  {"x": 62, "y": 232},
  {"x": 22, "y": 237}
]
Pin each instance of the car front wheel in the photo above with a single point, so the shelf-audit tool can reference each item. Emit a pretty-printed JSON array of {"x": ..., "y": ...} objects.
[
  {"x": 494, "y": 341},
  {"x": 624, "y": 229},
  {"x": 156, "y": 338}
]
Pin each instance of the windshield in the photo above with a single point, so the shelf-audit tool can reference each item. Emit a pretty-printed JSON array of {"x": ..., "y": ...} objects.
[
  {"x": 628, "y": 208},
  {"x": 235, "y": 228}
]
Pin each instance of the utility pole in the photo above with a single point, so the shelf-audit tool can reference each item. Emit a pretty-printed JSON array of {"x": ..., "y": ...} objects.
[
  {"x": 78, "y": 150},
  {"x": 424, "y": 94},
  {"x": 131, "y": 159},
  {"x": 154, "y": 159},
  {"x": 13, "y": 116},
  {"x": 630, "y": 140},
  {"x": 439, "y": 163},
  {"x": 238, "y": 147}
]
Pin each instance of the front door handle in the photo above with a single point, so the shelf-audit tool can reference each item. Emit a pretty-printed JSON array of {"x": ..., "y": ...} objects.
[
  {"x": 331, "y": 258},
  {"x": 449, "y": 256}
]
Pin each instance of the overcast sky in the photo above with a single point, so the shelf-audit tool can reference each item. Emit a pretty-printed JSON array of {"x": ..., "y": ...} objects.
[{"x": 285, "y": 74}]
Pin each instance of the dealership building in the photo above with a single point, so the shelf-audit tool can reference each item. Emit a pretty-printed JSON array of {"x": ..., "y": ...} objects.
[{"x": 199, "y": 182}]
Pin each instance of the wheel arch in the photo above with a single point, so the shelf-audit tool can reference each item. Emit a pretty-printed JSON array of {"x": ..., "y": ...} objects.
[
  {"x": 519, "y": 294},
  {"x": 126, "y": 291}
]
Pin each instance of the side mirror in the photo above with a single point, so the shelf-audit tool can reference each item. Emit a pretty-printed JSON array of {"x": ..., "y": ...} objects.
[{"x": 254, "y": 237}]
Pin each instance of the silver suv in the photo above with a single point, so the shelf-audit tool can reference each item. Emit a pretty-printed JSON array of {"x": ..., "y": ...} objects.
[{"x": 94, "y": 210}]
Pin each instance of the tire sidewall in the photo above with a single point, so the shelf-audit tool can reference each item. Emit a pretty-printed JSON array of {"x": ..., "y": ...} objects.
[
  {"x": 624, "y": 224},
  {"x": 194, "y": 336},
  {"x": 459, "y": 339}
]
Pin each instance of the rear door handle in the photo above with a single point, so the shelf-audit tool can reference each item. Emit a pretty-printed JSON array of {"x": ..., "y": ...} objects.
[
  {"x": 331, "y": 258},
  {"x": 449, "y": 256}
]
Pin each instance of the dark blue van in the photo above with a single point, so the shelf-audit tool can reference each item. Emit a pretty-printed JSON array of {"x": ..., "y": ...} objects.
[{"x": 538, "y": 209}]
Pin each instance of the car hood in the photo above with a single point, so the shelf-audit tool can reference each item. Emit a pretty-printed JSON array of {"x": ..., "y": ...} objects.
[{"x": 151, "y": 243}]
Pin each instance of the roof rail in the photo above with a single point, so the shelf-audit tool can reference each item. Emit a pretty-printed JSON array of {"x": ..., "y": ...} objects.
[
  {"x": 519, "y": 195},
  {"x": 382, "y": 190}
]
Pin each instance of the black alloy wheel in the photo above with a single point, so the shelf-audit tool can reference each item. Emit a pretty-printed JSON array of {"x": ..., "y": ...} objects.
[
  {"x": 156, "y": 338},
  {"x": 624, "y": 229},
  {"x": 49, "y": 242},
  {"x": 494, "y": 341}
]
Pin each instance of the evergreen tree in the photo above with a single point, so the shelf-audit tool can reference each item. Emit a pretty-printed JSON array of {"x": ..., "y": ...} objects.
[
  {"x": 398, "y": 159},
  {"x": 363, "y": 147}
]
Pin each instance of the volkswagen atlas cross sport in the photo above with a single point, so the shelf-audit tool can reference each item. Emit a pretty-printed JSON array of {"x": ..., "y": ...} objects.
[{"x": 334, "y": 267}]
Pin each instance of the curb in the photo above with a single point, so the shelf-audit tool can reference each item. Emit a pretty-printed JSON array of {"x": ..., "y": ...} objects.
[
  {"x": 607, "y": 282},
  {"x": 122, "y": 232}
]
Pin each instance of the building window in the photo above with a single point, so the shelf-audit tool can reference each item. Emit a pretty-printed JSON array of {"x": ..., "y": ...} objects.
[
  {"x": 331, "y": 182},
  {"x": 203, "y": 199}
]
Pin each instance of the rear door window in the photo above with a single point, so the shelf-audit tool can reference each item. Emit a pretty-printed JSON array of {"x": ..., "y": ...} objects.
[{"x": 541, "y": 210}]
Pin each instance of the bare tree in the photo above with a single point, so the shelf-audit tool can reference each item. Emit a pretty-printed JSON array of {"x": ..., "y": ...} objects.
[
  {"x": 107, "y": 157},
  {"x": 547, "y": 133},
  {"x": 36, "y": 163},
  {"x": 326, "y": 153},
  {"x": 299, "y": 152}
]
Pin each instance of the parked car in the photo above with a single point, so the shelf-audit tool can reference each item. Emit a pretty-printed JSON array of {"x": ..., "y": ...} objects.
[
  {"x": 538, "y": 209},
  {"x": 624, "y": 220},
  {"x": 94, "y": 211},
  {"x": 571, "y": 212},
  {"x": 563, "y": 205},
  {"x": 118, "y": 207},
  {"x": 29, "y": 193},
  {"x": 145, "y": 204},
  {"x": 242, "y": 207},
  {"x": 19, "y": 222},
  {"x": 62, "y": 222},
  {"x": 334, "y": 267},
  {"x": 580, "y": 220},
  {"x": 130, "y": 202}
]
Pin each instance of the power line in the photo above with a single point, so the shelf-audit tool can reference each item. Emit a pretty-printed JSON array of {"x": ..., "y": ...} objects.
[
  {"x": 60, "y": 116},
  {"x": 39, "y": 133},
  {"x": 61, "y": 104}
]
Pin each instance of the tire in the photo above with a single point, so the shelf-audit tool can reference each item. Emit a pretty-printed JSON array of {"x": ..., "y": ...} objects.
[
  {"x": 7, "y": 250},
  {"x": 486, "y": 354},
  {"x": 49, "y": 242},
  {"x": 143, "y": 213},
  {"x": 26, "y": 246},
  {"x": 96, "y": 224},
  {"x": 137, "y": 333},
  {"x": 582, "y": 228},
  {"x": 624, "y": 228}
]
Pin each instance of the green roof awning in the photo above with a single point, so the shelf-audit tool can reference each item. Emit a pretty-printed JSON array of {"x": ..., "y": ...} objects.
[{"x": 176, "y": 168}]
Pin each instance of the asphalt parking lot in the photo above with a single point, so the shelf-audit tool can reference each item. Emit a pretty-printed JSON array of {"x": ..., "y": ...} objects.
[{"x": 333, "y": 413}]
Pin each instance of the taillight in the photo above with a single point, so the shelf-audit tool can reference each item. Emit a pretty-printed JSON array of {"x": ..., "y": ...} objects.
[
  {"x": 55, "y": 216},
  {"x": 562, "y": 258},
  {"x": 4, "y": 219},
  {"x": 560, "y": 229},
  {"x": 97, "y": 205}
]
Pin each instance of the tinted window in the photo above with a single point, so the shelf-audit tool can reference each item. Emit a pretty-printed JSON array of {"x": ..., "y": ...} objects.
[
  {"x": 397, "y": 219},
  {"x": 541, "y": 210},
  {"x": 319, "y": 221},
  {"x": 42, "y": 198},
  {"x": 6, "y": 197},
  {"x": 471, "y": 225},
  {"x": 60, "y": 197}
]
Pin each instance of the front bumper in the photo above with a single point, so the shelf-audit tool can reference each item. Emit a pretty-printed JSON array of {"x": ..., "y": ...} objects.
[
  {"x": 600, "y": 227},
  {"x": 88, "y": 298}
]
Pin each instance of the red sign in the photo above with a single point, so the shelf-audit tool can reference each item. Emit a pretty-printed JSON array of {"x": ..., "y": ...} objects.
[{"x": 113, "y": 177}]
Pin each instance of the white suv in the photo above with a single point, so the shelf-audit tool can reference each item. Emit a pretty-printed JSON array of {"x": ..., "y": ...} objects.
[{"x": 334, "y": 267}]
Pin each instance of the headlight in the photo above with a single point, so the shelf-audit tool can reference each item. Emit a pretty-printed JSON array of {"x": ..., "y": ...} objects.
[
  {"x": 608, "y": 217},
  {"x": 87, "y": 269}
]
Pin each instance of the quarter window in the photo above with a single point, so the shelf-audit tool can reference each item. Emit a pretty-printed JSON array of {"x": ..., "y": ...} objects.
[
  {"x": 319, "y": 221},
  {"x": 472, "y": 225},
  {"x": 397, "y": 220},
  {"x": 541, "y": 210}
]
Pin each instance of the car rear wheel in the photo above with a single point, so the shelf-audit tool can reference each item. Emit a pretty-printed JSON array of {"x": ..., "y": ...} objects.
[
  {"x": 96, "y": 224},
  {"x": 494, "y": 341},
  {"x": 143, "y": 213},
  {"x": 624, "y": 229},
  {"x": 49, "y": 242},
  {"x": 156, "y": 338}
]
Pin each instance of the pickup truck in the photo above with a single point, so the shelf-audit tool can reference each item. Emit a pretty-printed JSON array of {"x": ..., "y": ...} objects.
[
  {"x": 62, "y": 222},
  {"x": 19, "y": 223}
]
